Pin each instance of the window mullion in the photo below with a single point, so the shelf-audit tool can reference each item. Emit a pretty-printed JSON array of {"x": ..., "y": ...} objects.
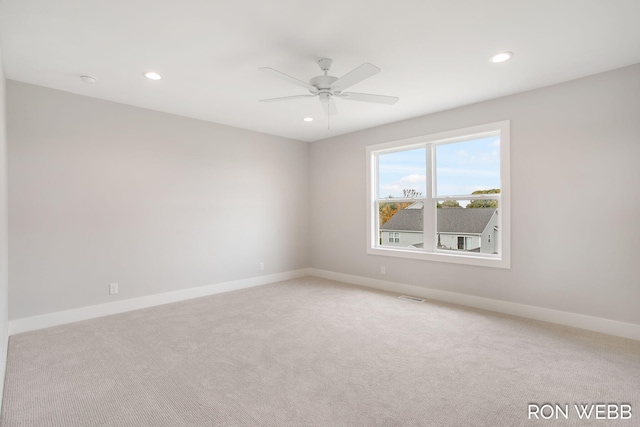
[{"x": 429, "y": 218}]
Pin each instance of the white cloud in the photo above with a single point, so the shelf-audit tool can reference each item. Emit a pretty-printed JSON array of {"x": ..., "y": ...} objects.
[
  {"x": 414, "y": 181},
  {"x": 468, "y": 172},
  {"x": 402, "y": 168}
]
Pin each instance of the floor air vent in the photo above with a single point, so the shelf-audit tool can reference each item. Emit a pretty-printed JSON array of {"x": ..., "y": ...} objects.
[{"x": 412, "y": 299}]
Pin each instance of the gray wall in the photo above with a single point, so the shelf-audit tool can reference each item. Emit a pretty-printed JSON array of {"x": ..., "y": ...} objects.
[
  {"x": 101, "y": 192},
  {"x": 575, "y": 199},
  {"x": 4, "y": 309}
]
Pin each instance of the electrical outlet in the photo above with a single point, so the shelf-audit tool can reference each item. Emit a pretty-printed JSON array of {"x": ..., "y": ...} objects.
[
  {"x": 262, "y": 266},
  {"x": 113, "y": 289},
  {"x": 383, "y": 270}
]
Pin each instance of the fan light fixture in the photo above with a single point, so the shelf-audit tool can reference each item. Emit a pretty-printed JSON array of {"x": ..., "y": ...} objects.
[
  {"x": 308, "y": 119},
  {"x": 151, "y": 75},
  {"x": 501, "y": 57}
]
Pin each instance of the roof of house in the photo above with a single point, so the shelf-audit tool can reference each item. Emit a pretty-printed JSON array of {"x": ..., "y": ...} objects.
[
  {"x": 461, "y": 220},
  {"x": 450, "y": 220},
  {"x": 405, "y": 220}
]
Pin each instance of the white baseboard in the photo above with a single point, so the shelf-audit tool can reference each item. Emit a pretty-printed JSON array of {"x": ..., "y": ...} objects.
[
  {"x": 84, "y": 313},
  {"x": 591, "y": 323}
]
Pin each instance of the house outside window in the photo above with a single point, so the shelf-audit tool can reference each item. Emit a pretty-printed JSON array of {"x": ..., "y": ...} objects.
[
  {"x": 394, "y": 237},
  {"x": 442, "y": 197}
]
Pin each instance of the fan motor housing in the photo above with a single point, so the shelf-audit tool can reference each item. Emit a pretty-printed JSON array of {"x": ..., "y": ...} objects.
[{"x": 322, "y": 82}]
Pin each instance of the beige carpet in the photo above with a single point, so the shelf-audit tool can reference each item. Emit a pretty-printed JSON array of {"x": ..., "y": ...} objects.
[{"x": 311, "y": 352}]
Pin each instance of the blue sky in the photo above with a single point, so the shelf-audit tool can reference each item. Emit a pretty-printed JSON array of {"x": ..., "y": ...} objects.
[{"x": 461, "y": 168}]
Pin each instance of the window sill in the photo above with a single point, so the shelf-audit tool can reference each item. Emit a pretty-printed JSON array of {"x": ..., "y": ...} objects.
[{"x": 442, "y": 256}]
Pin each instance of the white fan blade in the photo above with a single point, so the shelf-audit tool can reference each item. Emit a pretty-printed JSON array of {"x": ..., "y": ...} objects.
[
  {"x": 329, "y": 106},
  {"x": 367, "y": 97},
  {"x": 288, "y": 78},
  {"x": 285, "y": 98},
  {"x": 357, "y": 75}
]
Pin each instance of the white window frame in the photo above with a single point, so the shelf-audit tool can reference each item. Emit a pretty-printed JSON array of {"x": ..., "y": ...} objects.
[{"x": 430, "y": 252}]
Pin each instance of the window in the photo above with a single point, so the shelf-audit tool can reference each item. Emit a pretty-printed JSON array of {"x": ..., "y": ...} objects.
[
  {"x": 394, "y": 237},
  {"x": 442, "y": 197},
  {"x": 461, "y": 244}
]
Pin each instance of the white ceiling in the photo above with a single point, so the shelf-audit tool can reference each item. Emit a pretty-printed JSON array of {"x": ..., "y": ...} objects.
[{"x": 434, "y": 54}]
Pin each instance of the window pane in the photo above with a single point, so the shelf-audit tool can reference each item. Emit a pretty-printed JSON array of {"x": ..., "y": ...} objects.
[
  {"x": 401, "y": 224},
  {"x": 402, "y": 173},
  {"x": 464, "y": 168},
  {"x": 467, "y": 225}
]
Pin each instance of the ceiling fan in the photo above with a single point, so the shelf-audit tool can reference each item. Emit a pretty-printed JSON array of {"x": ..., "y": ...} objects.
[{"x": 327, "y": 87}]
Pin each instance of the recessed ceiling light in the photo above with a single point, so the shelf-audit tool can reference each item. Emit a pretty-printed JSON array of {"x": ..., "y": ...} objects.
[
  {"x": 308, "y": 119},
  {"x": 88, "y": 79},
  {"x": 501, "y": 57},
  {"x": 152, "y": 75}
]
